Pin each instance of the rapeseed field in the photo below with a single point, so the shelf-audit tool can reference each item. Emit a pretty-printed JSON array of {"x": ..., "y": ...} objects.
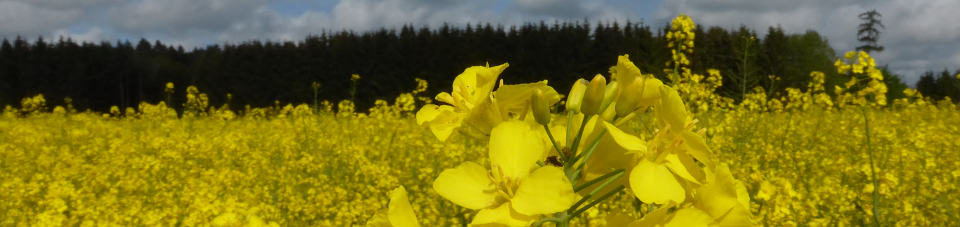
[{"x": 623, "y": 148}]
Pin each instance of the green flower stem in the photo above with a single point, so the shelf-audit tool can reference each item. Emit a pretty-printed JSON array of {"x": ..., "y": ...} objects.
[
  {"x": 624, "y": 119},
  {"x": 873, "y": 172},
  {"x": 585, "y": 156},
  {"x": 569, "y": 138},
  {"x": 576, "y": 140},
  {"x": 597, "y": 201},
  {"x": 554, "y": 141},
  {"x": 594, "y": 181},
  {"x": 555, "y": 220},
  {"x": 593, "y": 192}
]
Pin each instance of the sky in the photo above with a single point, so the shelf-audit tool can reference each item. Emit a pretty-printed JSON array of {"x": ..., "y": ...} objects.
[{"x": 920, "y": 35}]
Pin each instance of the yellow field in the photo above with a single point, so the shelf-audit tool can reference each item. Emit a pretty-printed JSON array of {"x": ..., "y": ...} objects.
[{"x": 300, "y": 168}]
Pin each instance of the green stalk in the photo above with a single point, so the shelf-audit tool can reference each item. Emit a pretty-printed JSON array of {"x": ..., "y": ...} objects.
[
  {"x": 873, "y": 172},
  {"x": 594, "y": 181},
  {"x": 554, "y": 141},
  {"x": 576, "y": 140},
  {"x": 569, "y": 129},
  {"x": 595, "y": 202},
  {"x": 596, "y": 190},
  {"x": 586, "y": 156}
]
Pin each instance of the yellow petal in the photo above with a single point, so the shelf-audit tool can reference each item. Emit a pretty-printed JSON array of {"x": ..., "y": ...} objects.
[
  {"x": 399, "y": 211},
  {"x": 626, "y": 71},
  {"x": 515, "y": 98},
  {"x": 430, "y": 112},
  {"x": 427, "y": 113},
  {"x": 696, "y": 146},
  {"x": 619, "y": 219},
  {"x": 689, "y": 217},
  {"x": 719, "y": 198},
  {"x": 545, "y": 191},
  {"x": 442, "y": 120},
  {"x": 614, "y": 151},
  {"x": 487, "y": 78},
  {"x": 671, "y": 109},
  {"x": 379, "y": 220},
  {"x": 654, "y": 183},
  {"x": 742, "y": 196},
  {"x": 736, "y": 216},
  {"x": 650, "y": 92},
  {"x": 468, "y": 185},
  {"x": 484, "y": 116},
  {"x": 691, "y": 172},
  {"x": 446, "y": 97},
  {"x": 627, "y": 141},
  {"x": 629, "y": 96},
  {"x": 476, "y": 82},
  {"x": 657, "y": 218},
  {"x": 501, "y": 215},
  {"x": 515, "y": 147}
]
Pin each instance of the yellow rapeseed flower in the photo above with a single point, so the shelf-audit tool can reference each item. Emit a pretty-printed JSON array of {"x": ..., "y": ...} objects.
[
  {"x": 515, "y": 192},
  {"x": 398, "y": 213}
]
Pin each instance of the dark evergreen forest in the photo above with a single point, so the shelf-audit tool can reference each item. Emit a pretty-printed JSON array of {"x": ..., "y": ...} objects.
[{"x": 99, "y": 75}]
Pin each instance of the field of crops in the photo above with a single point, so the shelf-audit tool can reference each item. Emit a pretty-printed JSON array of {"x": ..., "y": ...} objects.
[{"x": 666, "y": 153}]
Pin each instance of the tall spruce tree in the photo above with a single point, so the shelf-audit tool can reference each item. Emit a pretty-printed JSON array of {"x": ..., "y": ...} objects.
[{"x": 869, "y": 31}]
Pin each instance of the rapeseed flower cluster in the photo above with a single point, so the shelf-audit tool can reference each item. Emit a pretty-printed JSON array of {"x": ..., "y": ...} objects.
[{"x": 536, "y": 178}]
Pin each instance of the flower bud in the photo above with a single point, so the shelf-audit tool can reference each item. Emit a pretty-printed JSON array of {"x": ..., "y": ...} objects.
[
  {"x": 575, "y": 98},
  {"x": 611, "y": 93},
  {"x": 650, "y": 92},
  {"x": 541, "y": 107},
  {"x": 608, "y": 114},
  {"x": 593, "y": 97},
  {"x": 627, "y": 102}
]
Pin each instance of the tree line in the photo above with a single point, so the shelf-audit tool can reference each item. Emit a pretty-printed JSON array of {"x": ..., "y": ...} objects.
[{"x": 257, "y": 73}]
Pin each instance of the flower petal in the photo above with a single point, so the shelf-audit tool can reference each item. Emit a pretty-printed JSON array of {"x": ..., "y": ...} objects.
[
  {"x": 720, "y": 198},
  {"x": 446, "y": 98},
  {"x": 654, "y": 183},
  {"x": 545, "y": 191},
  {"x": 626, "y": 71},
  {"x": 610, "y": 155},
  {"x": 684, "y": 167},
  {"x": 671, "y": 109},
  {"x": 484, "y": 116},
  {"x": 468, "y": 185},
  {"x": 428, "y": 113},
  {"x": 515, "y": 147},
  {"x": 655, "y": 218},
  {"x": 619, "y": 219},
  {"x": 627, "y": 141},
  {"x": 515, "y": 98},
  {"x": 503, "y": 215},
  {"x": 399, "y": 211},
  {"x": 476, "y": 82},
  {"x": 379, "y": 220},
  {"x": 442, "y": 120},
  {"x": 697, "y": 147},
  {"x": 689, "y": 217}
]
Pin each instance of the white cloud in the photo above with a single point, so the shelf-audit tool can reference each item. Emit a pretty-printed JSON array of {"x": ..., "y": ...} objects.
[
  {"x": 92, "y": 35},
  {"x": 19, "y": 18},
  {"x": 64, "y": 4},
  {"x": 365, "y": 15},
  {"x": 919, "y": 35},
  {"x": 182, "y": 16}
]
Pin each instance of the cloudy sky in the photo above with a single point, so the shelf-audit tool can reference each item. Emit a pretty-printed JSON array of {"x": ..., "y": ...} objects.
[{"x": 920, "y": 34}]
